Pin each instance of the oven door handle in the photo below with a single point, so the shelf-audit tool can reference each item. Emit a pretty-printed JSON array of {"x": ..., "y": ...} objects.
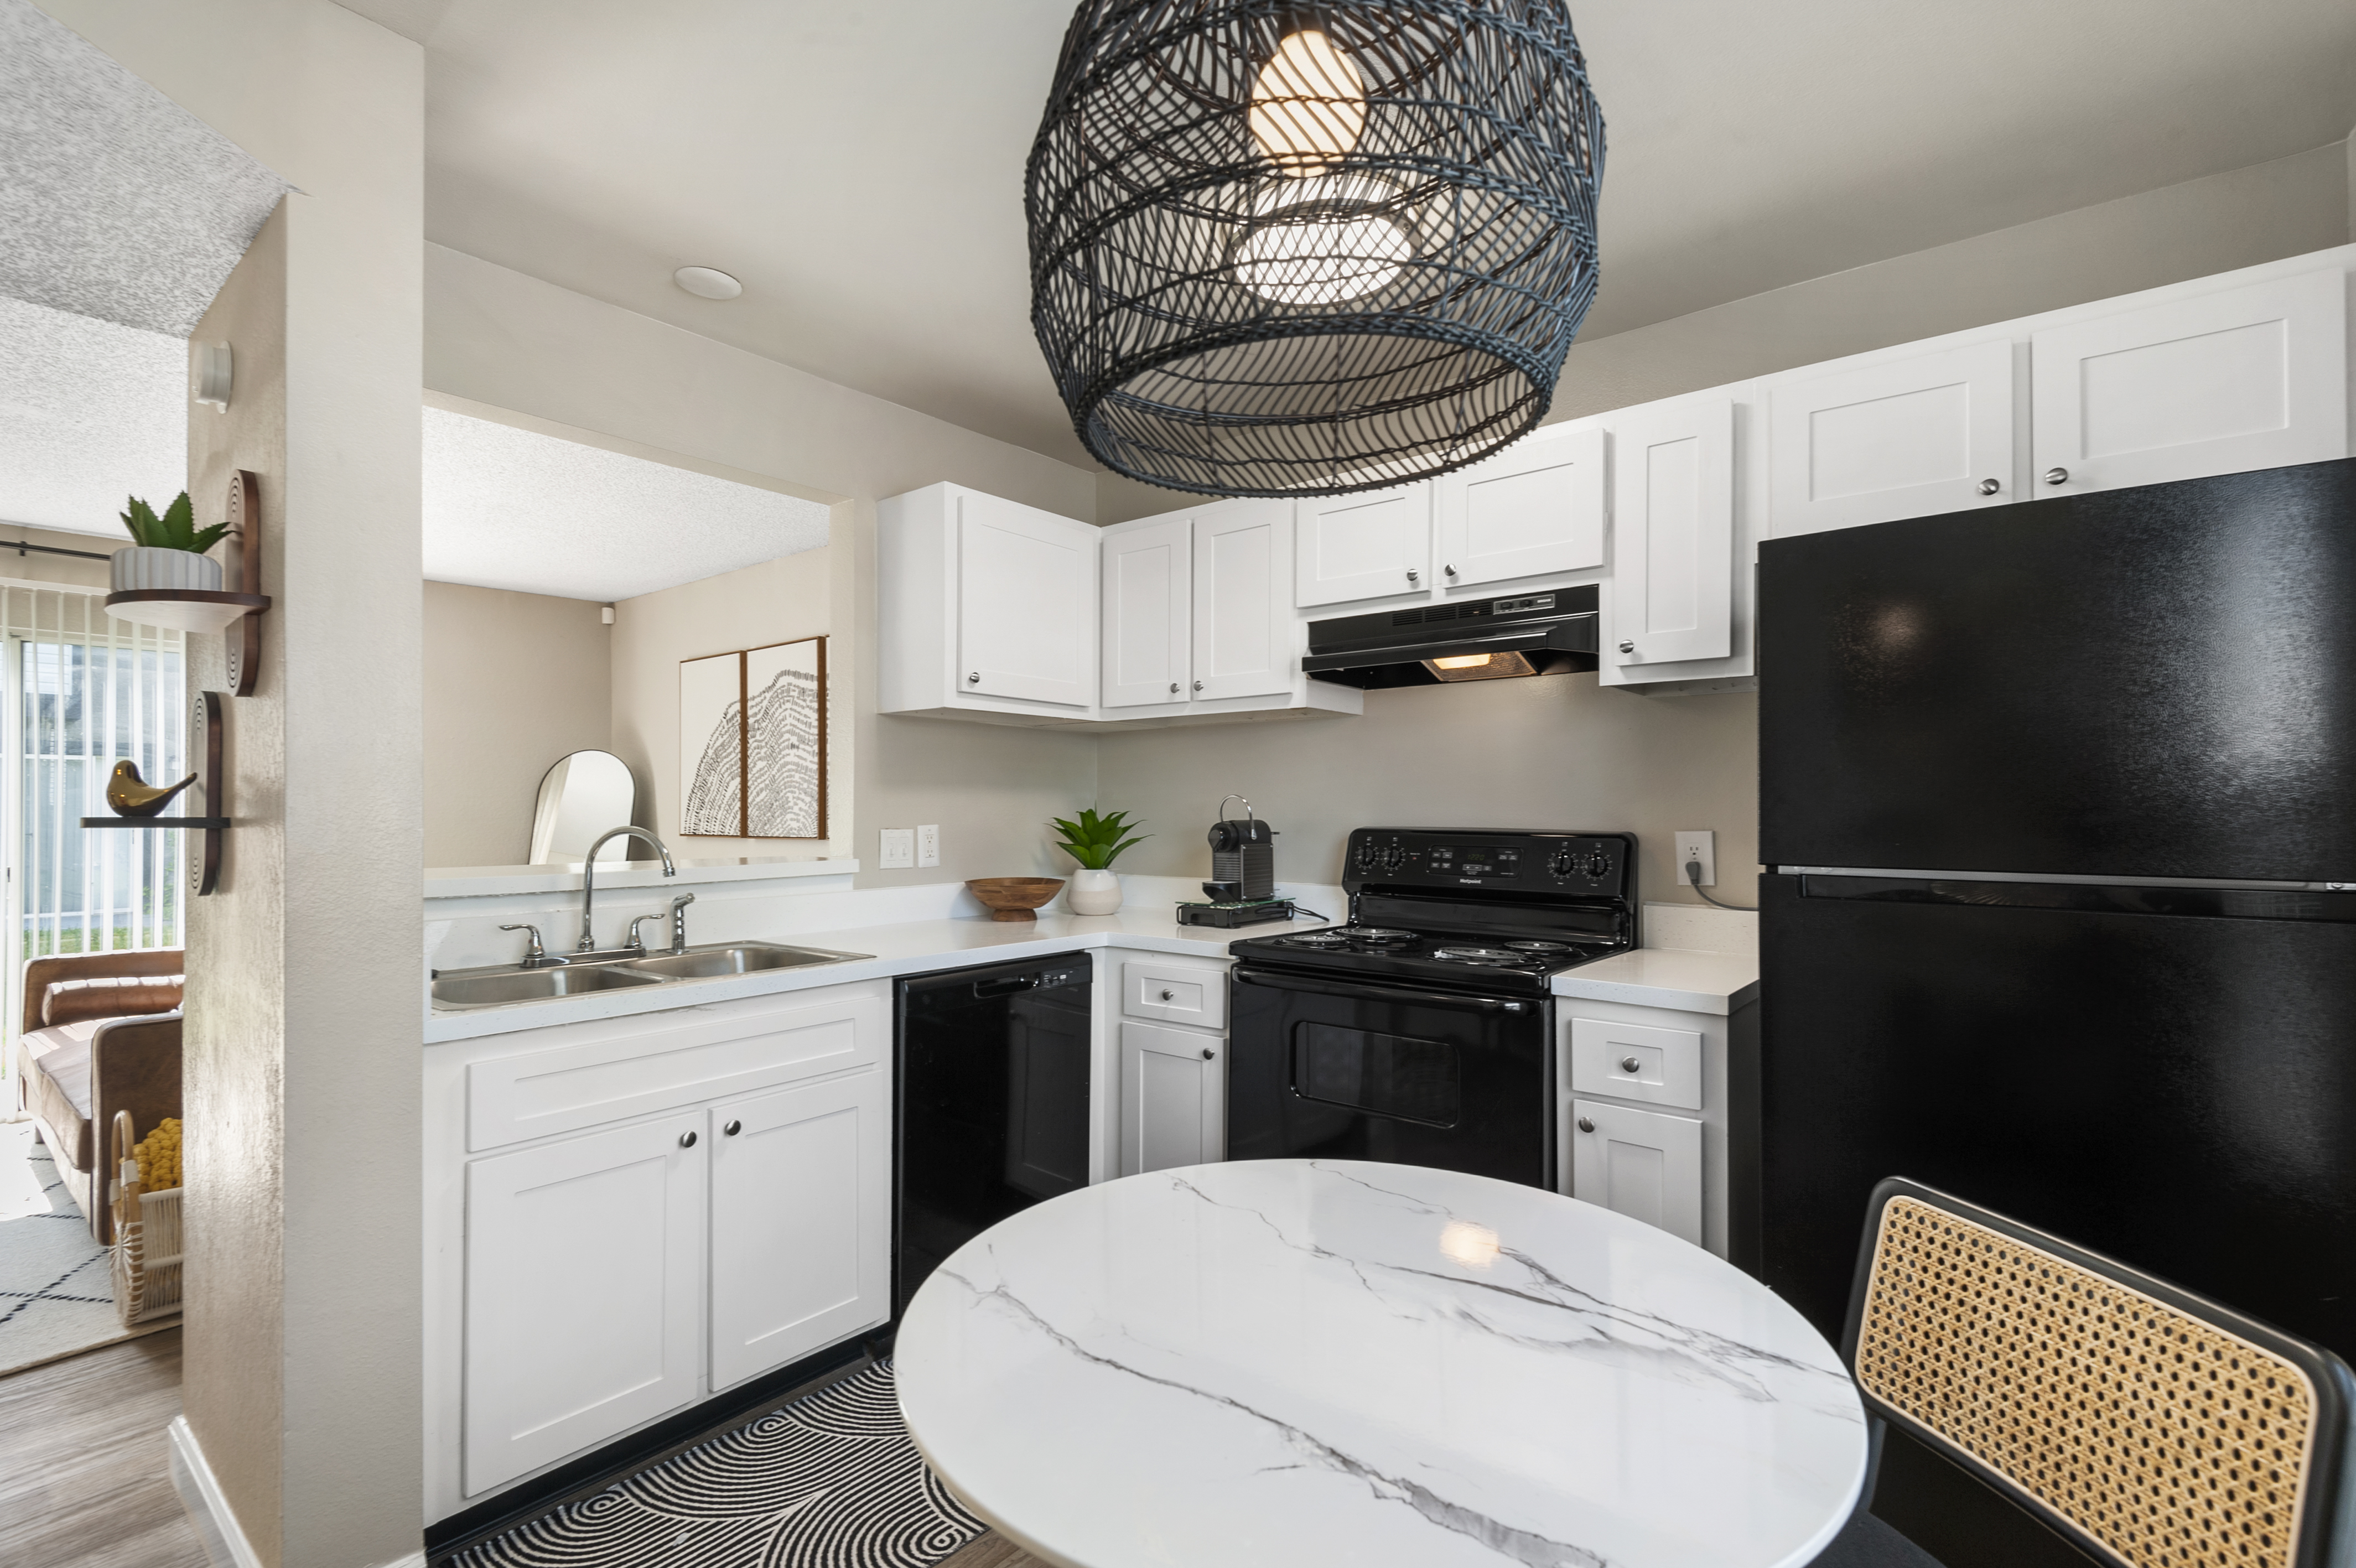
[{"x": 1384, "y": 993}]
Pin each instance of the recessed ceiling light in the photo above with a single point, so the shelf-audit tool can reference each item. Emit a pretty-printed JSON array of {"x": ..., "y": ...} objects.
[{"x": 708, "y": 282}]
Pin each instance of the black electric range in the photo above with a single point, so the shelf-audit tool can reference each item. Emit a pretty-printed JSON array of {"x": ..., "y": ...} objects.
[{"x": 1421, "y": 1031}]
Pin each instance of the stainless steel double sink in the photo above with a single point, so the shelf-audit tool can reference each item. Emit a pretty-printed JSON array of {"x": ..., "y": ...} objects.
[{"x": 498, "y": 985}]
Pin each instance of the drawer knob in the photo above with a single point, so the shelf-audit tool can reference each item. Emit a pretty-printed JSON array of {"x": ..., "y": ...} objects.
[
  {"x": 1173, "y": 686},
  {"x": 1199, "y": 686},
  {"x": 1990, "y": 487},
  {"x": 733, "y": 1128},
  {"x": 2057, "y": 477},
  {"x": 1207, "y": 1053},
  {"x": 1627, "y": 647},
  {"x": 1169, "y": 995},
  {"x": 1585, "y": 1124},
  {"x": 1629, "y": 1064},
  {"x": 974, "y": 678},
  {"x": 687, "y": 1140},
  {"x": 1413, "y": 575}
]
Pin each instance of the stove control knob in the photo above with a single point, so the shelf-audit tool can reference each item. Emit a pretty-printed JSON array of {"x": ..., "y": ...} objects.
[
  {"x": 1562, "y": 865},
  {"x": 1598, "y": 864}
]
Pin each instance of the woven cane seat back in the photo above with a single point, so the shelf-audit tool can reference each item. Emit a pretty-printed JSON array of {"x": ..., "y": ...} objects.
[{"x": 2162, "y": 1436}]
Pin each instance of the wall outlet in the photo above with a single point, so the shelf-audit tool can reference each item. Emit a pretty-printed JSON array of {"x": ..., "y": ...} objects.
[
  {"x": 928, "y": 844},
  {"x": 899, "y": 848},
  {"x": 1697, "y": 844}
]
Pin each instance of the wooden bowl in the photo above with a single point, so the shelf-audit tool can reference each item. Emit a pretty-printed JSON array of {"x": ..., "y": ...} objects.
[{"x": 1016, "y": 897}]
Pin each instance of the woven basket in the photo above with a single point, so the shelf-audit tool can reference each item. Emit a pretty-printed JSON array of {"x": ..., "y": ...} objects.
[{"x": 147, "y": 1253}]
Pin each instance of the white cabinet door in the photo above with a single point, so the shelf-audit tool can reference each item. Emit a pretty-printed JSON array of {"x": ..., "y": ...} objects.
[
  {"x": 1537, "y": 507},
  {"x": 801, "y": 1221},
  {"x": 2244, "y": 378},
  {"x": 1904, "y": 438},
  {"x": 1026, "y": 604},
  {"x": 1368, "y": 546},
  {"x": 584, "y": 1273},
  {"x": 1173, "y": 1107},
  {"x": 1673, "y": 534},
  {"x": 1243, "y": 601},
  {"x": 1642, "y": 1163},
  {"x": 1148, "y": 620}
]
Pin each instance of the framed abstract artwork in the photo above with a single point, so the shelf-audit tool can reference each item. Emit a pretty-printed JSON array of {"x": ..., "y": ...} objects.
[{"x": 752, "y": 742}]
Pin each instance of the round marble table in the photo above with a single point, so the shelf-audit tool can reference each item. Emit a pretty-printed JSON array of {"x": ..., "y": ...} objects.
[{"x": 1287, "y": 1363}]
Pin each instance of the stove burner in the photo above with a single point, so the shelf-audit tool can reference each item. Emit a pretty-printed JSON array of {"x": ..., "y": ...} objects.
[
  {"x": 1488, "y": 955},
  {"x": 1539, "y": 946},
  {"x": 1376, "y": 934},
  {"x": 1316, "y": 939}
]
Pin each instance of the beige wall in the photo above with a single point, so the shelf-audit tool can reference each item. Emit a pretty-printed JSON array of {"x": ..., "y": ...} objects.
[
  {"x": 513, "y": 681},
  {"x": 776, "y": 601},
  {"x": 498, "y": 337},
  {"x": 302, "y": 1345}
]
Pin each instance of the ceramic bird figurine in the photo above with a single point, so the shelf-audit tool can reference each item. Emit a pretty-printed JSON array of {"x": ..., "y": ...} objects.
[{"x": 130, "y": 796}]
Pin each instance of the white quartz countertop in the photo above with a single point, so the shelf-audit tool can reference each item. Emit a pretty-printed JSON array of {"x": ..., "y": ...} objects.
[
  {"x": 1677, "y": 977},
  {"x": 1279, "y": 1362},
  {"x": 913, "y": 947}
]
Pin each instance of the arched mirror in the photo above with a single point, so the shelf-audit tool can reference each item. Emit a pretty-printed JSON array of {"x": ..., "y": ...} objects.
[{"x": 581, "y": 796}]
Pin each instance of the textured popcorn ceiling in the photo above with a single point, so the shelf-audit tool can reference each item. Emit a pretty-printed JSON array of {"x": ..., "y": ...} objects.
[
  {"x": 90, "y": 412},
  {"x": 513, "y": 508},
  {"x": 114, "y": 201}
]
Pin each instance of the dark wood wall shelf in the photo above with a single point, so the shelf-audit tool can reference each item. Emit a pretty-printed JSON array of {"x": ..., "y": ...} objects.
[
  {"x": 204, "y": 733},
  {"x": 236, "y": 613}
]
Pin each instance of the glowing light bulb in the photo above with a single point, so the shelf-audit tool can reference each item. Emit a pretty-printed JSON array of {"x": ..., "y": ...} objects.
[
  {"x": 1307, "y": 104},
  {"x": 1466, "y": 661}
]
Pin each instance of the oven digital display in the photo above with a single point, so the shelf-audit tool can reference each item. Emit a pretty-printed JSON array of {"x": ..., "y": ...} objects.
[{"x": 1474, "y": 863}]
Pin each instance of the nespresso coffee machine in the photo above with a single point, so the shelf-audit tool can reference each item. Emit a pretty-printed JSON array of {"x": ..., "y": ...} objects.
[{"x": 1242, "y": 888}]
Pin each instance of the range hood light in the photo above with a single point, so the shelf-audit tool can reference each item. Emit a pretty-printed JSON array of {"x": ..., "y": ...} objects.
[{"x": 1480, "y": 666}]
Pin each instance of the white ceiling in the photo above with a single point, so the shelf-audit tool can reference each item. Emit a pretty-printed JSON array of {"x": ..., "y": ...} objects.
[
  {"x": 90, "y": 413},
  {"x": 114, "y": 201},
  {"x": 514, "y": 509},
  {"x": 858, "y": 166}
]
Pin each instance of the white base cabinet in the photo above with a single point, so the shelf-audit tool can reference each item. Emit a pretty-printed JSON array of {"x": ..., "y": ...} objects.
[
  {"x": 1172, "y": 1028},
  {"x": 627, "y": 1216}
]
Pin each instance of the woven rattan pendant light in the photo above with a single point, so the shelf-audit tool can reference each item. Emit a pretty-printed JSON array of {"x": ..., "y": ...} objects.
[{"x": 1299, "y": 250}]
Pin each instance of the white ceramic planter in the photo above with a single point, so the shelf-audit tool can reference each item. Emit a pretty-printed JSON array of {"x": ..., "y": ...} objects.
[
  {"x": 138, "y": 569},
  {"x": 1092, "y": 892}
]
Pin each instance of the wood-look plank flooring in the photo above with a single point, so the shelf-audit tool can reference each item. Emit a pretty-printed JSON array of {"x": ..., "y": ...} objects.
[
  {"x": 991, "y": 1550},
  {"x": 84, "y": 1466}
]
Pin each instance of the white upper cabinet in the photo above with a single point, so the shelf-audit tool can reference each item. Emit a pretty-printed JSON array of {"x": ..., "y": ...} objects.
[
  {"x": 2255, "y": 376},
  {"x": 1026, "y": 603},
  {"x": 1372, "y": 545},
  {"x": 1538, "y": 507},
  {"x": 1149, "y": 613},
  {"x": 1908, "y": 437},
  {"x": 1243, "y": 642},
  {"x": 1673, "y": 534}
]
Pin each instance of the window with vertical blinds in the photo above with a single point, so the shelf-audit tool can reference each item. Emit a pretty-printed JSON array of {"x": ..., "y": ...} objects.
[{"x": 90, "y": 691}]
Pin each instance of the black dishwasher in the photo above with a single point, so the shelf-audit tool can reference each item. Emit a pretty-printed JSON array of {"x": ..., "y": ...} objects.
[{"x": 991, "y": 1094}]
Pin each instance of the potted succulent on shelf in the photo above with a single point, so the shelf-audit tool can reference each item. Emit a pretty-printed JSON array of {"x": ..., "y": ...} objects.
[
  {"x": 167, "y": 552},
  {"x": 1095, "y": 841}
]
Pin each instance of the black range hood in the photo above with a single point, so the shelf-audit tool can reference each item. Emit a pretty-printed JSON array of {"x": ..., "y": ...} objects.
[{"x": 1550, "y": 633}]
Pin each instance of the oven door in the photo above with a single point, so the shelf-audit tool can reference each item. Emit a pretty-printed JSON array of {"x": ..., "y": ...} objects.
[{"x": 1348, "y": 1070}]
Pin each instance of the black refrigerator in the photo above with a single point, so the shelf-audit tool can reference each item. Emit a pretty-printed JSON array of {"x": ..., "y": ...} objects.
[{"x": 2057, "y": 800}]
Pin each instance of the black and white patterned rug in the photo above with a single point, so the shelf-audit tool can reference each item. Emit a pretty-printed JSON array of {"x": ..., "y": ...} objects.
[
  {"x": 829, "y": 1481},
  {"x": 57, "y": 1284}
]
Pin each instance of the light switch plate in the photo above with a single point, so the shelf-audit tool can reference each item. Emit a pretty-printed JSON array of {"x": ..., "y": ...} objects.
[
  {"x": 1697, "y": 844},
  {"x": 899, "y": 849},
  {"x": 928, "y": 844}
]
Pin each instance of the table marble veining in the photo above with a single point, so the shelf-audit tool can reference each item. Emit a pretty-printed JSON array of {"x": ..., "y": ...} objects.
[{"x": 1287, "y": 1363}]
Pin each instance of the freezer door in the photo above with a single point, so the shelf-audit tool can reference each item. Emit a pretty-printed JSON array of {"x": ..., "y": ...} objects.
[
  {"x": 2144, "y": 683},
  {"x": 2176, "y": 1089}
]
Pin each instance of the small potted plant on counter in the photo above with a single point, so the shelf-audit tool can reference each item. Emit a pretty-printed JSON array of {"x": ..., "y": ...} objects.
[
  {"x": 1094, "y": 841},
  {"x": 167, "y": 552}
]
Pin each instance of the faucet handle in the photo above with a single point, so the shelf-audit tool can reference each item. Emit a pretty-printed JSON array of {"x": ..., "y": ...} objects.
[
  {"x": 638, "y": 942},
  {"x": 535, "y": 953}
]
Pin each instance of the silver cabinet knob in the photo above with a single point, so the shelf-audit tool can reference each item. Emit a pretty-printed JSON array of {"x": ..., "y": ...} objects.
[
  {"x": 1449, "y": 570},
  {"x": 2057, "y": 477},
  {"x": 1629, "y": 1064},
  {"x": 733, "y": 1128},
  {"x": 1990, "y": 487},
  {"x": 1207, "y": 1053},
  {"x": 1169, "y": 995},
  {"x": 1585, "y": 1125},
  {"x": 1173, "y": 686},
  {"x": 1199, "y": 686},
  {"x": 687, "y": 1140},
  {"x": 1627, "y": 647},
  {"x": 1413, "y": 575},
  {"x": 974, "y": 678}
]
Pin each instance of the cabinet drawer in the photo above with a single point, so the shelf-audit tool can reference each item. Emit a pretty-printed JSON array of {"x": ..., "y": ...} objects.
[
  {"x": 1175, "y": 993},
  {"x": 1636, "y": 1061},
  {"x": 1644, "y": 1163},
  {"x": 517, "y": 1098}
]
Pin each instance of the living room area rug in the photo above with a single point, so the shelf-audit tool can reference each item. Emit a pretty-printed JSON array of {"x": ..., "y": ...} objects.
[{"x": 57, "y": 1287}]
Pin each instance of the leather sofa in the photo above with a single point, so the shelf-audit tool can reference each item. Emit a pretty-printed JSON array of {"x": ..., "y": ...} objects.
[{"x": 101, "y": 1034}]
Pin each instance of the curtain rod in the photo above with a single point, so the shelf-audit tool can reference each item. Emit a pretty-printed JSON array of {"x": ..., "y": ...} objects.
[{"x": 21, "y": 546}]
